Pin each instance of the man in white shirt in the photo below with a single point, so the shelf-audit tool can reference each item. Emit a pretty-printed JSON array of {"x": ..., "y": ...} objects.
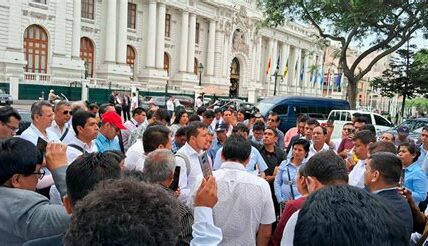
[
  {"x": 197, "y": 136},
  {"x": 217, "y": 119},
  {"x": 324, "y": 168},
  {"x": 86, "y": 128},
  {"x": 318, "y": 144},
  {"x": 138, "y": 118},
  {"x": 61, "y": 124},
  {"x": 245, "y": 210},
  {"x": 362, "y": 139},
  {"x": 170, "y": 105},
  {"x": 154, "y": 137},
  {"x": 42, "y": 117},
  {"x": 134, "y": 101}
]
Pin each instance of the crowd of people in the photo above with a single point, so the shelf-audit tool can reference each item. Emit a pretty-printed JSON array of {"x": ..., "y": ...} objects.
[{"x": 83, "y": 175}]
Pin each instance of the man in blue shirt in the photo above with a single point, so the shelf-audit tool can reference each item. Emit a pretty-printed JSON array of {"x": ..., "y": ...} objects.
[
  {"x": 218, "y": 141},
  {"x": 110, "y": 127}
]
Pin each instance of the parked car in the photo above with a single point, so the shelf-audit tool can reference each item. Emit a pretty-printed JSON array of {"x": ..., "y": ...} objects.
[
  {"x": 415, "y": 127},
  {"x": 186, "y": 101},
  {"x": 340, "y": 117},
  {"x": 5, "y": 99},
  {"x": 25, "y": 121},
  {"x": 290, "y": 107}
]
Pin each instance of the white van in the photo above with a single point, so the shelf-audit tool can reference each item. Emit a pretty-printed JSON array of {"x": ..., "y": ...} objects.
[{"x": 340, "y": 117}]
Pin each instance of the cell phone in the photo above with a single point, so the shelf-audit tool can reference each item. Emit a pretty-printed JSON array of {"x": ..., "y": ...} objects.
[
  {"x": 174, "y": 184},
  {"x": 41, "y": 145},
  {"x": 205, "y": 165}
]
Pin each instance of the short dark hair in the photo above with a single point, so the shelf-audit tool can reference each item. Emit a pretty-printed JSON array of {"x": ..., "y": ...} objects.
[
  {"x": 93, "y": 106},
  {"x": 133, "y": 175},
  {"x": 115, "y": 154},
  {"x": 37, "y": 107},
  {"x": 365, "y": 136},
  {"x": 327, "y": 167},
  {"x": 61, "y": 103},
  {"x": 103, "y": 107},
  {"x": 347, "y": 215},
  {"x": 201, "y": 110},
  {"x": 80, "y": 117},
  {"x": 324, "y": 129},
  {"x": 348, "y": 124},
  {"x": 162, "y": 114},
  {"x": 382, "y": 146},
  {"x": 259, "y": 126},
  {"x": 6, "y": 112},
  {"x": 273, "y": 130},
  {"x": 240, "y": 127},
  {"x": 138, "y": 110},
  {"x": 193, "y": 129},
  {"x": 412, "y": 148},
  {"x": 88, "y": 170},
  {"x": 209, "y": 114},
  {"x": 194, "y": 117},
  {"x": 312, "y": 121},
  {"x": 146, "y": 206},
  {"x": 236, "y": 148},
  {"x": 302, "y": 118},
  {"x": 154, "y": 136},
  {"x": 181, "y": 132},
  {"x": 361, "y": 119},
  {"x": 13, "y": 161},
  {"x": 275, "y": 114},
  {"x": 369, "y": 127},
  {"x": 425, "y": 128},
  {"x": 388, "y": 165},
  {"x": 217, "y": 110},
  {"x": 305, "y": 143},
  {"x": 149, "y": 114},
  {"x": 178, "y": 115}
]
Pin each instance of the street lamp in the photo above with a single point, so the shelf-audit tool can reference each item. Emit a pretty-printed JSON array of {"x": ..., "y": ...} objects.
[
  {"x": 276, "y": 75},
  {"x": 201, "y": 70}
]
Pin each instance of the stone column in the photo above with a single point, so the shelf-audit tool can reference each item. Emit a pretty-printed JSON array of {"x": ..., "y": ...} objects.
[
  {"x": 219, "y": 47},
  {"x": 191, "y": 47},
  {"x": 60, "y": 22},
  {"x": 259, "y": 59},
  {"x": 75, "y": 49},
  {"x": 122, "y": 32},
  {"x": 183, "y": 41},
  {"x": 160, "y": 44},
  {"x": 151, "y": 37},
  {"x": 211, "y": 48},
  {"x": 291, "y": 66},
  {"x": 226, "y": 53},
  {"x": 306, "y": 74},
  {"x": 110, "y": 31}
]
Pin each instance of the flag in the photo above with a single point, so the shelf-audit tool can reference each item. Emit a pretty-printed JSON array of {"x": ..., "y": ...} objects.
[
  {"x": 268, "y": 66},
  {"x": 314, "y": 75},
  {"x": 321, "y": 75},
  {"x": 277, "y": 62},
  {"x": 302, "y": 71},
  {"x": 285, "y": 69}
]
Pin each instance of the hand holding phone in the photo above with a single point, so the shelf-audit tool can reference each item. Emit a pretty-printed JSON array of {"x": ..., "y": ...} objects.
[
  {"x": 205, "y": 165},
  {"x": 176, "y": 179}
]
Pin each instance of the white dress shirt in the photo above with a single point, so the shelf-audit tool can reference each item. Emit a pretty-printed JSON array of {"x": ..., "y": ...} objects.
[
  {"x": 188, "y": 182},
  {"x": 288, "y": 233},
  {"x": 204, "y": 231},
  {"x": 54, "y": 129},
  {"x": 134, "y": 155},
  {"x": 356, "y": 176},
  {"x": 244, "y": 202},
  {"x": 313, "y": 151},
  {"x": 73, "y": 153},
  {"x": 130, "y": 125},
  {"x": 32, "y": 134}
]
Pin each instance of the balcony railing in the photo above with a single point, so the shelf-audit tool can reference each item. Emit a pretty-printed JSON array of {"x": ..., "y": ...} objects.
[{"x": 37, "y": 77}]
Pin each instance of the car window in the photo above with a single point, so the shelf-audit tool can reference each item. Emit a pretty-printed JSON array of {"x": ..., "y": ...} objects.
[
  {"x": 381, "y": 121},
  {"x": 334, "y": 116},
  {"x": 281, "y": 109},
  {"x": 419, "y": 124},
  {"x": 368, "y": 117},
  {"x": 347, "y": 116}
]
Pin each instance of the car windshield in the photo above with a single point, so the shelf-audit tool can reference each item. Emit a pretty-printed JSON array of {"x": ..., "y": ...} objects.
[
  {"x": 2, "y": 91},
  {"x": 264, "y": 107}
]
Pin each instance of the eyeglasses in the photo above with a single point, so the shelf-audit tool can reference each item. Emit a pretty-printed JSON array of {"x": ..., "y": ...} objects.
[
  {"x": 66, "y": 112},
  {"x": 12, "y": 128},
  {"x": 348, "y": 129},
  {"x": 41, "y": 173}
]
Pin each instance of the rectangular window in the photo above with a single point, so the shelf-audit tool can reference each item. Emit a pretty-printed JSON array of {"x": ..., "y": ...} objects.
[
  {"x": 167, "y": 25},
  {"x": 88, "y": 9},
  {"x": 197, "y": 33},
  {"x": 132, "y": 15},
  {"x": 40, "y": 1}
]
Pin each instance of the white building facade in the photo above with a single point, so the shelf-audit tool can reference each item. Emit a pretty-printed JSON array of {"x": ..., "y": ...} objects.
[{"x": 152, "y": 44}]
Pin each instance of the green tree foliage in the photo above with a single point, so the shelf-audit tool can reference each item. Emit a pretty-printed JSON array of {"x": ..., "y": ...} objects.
[{"x": 390, "y": 22}]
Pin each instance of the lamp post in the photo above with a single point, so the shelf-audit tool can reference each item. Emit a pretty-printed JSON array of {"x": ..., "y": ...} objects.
[
  {"x": 201, "y": 70},
  {"x": 276, "y": 75}
]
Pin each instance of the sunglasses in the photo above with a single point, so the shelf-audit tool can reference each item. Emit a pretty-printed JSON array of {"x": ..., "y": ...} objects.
[
  {"x": 349, "y": 129},
  {"x": 66, "y": 112}
]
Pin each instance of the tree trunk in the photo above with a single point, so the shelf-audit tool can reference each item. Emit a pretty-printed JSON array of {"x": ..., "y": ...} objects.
[
  {"x": 403, "y": 103},
  {"x": 352, "y": 92}
]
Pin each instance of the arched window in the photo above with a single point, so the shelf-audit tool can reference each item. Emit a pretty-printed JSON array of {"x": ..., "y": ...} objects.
[
  {"x": 87, "y": 55},
  {"x": 36, "y": 49},
  {"x": 166, "y": 62},
  {"x": 195, "y": 66},
  {"x": 130, "y": 58}
]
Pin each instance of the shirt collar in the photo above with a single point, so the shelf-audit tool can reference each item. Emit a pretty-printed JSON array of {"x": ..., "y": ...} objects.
[
  {"x": 134, "y": 122},
  {"x": 412, "y": 167},
  {"x": 378, "y": 191},
  {"x": 190, "y": 150},
  {"x": 103, "y": 139},
  {"x": 79, "y": 142},
  {"x": 232, "y": 165},
  {"x": 38, "y": 132},
  {"x": 324, "y": 147}
]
